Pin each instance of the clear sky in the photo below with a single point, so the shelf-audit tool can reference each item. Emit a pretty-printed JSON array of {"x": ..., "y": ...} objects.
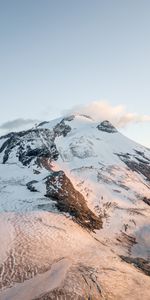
[{"x": 61, "y": 53}]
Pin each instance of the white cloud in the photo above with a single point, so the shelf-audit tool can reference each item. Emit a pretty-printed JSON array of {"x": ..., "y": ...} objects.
[
  {"x": 17, "y": 125},
  {"x": 117, "y": 115}
]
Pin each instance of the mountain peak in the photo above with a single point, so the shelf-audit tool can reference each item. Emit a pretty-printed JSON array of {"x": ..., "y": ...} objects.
[{"x": 72, "y": 188}]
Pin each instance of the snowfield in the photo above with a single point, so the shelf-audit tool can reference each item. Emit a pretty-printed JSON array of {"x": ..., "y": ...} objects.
[{"x": 52, "y": 246}]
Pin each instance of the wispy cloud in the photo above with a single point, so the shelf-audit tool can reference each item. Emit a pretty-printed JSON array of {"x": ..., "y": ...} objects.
[
  {"x": 102, "y": 110},
  {"x": 17, "y": 124}
]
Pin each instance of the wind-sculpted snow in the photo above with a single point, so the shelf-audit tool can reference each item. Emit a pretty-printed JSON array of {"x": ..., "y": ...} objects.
[
  {"x": 74, "y": 213},
  {"x": 46, "y": 244}
]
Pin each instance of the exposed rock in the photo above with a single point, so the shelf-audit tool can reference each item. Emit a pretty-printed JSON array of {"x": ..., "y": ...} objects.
[
  {"x": 142, "y": 155},
  {"x": 141, "y": 160},
  {"x": 33, "y": 143},
  {"x": 86, "y": 116},
  {"x": 43, "y": 123},
  {"x": 69, "y": 200},
  {"x": 126, "y": 240},
  {"x": 69, "y": 118},
  {"x": 139, "y": 167},
  {"x": 146, "y": 200},
  {"x": 29, "y": 145},
  {"x": 107, "y": 127},
  {"x": 31, "y": 187},
  {"x": 61, "y": 129},
  {"x": 36, "y": 172},
  {"x": 138, "y": 262}
]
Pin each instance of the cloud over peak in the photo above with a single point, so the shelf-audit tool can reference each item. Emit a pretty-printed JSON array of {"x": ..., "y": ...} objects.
[{"x": 117, "y": 115}]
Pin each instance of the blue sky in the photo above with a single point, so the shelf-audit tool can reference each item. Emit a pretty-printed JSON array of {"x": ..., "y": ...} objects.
[{"x": 57, "y": 54}]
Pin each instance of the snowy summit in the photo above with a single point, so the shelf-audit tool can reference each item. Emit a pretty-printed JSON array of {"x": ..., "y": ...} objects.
[{"x": 74, "y": 213}]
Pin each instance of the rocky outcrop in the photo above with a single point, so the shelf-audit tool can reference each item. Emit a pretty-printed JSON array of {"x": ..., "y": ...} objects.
[
  {"x": 107, "y": 127},
  {"x": 30, "y": 144},
  {"x": 33, "y": 143},
  {"x": 61, "y": 129},
  {"x": 139, "y": 168},
  {"x": 138, "y": 262},
  {"x": 138, "y": 164},
  {"x": 31, "y": 187},
  {"x": 69, "y": 200}
]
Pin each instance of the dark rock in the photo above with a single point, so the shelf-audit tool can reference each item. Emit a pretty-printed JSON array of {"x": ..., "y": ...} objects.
[
  {"x": 42, "y": 123},
  {"x": 31, "y": 187},
  {"x": 141, "y": 160},
  {"x": 138, "y": 262},
  {"x": 140, "y": 153},
  {"x": 69, "y": 200},
  {"x": 86, "y": 116},
  {"x": 146, "y": 200},
  {"x": 61, "y": 129},
  {"x": 36, "y": 172},
  {"x": 139, "y": 167},
  {"x": 34, "y": 143},
  {"x": 107, "y": 127},
  {"x": 69, "y": 118},
  {"x": 25, "y": 145}
]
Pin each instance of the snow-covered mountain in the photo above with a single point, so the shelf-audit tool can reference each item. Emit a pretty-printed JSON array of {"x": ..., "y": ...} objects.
[{"x": 74, "y": 213}]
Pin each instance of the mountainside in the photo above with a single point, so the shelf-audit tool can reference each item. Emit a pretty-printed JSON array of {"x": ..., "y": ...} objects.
[{"x": 74, "y": 213}]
